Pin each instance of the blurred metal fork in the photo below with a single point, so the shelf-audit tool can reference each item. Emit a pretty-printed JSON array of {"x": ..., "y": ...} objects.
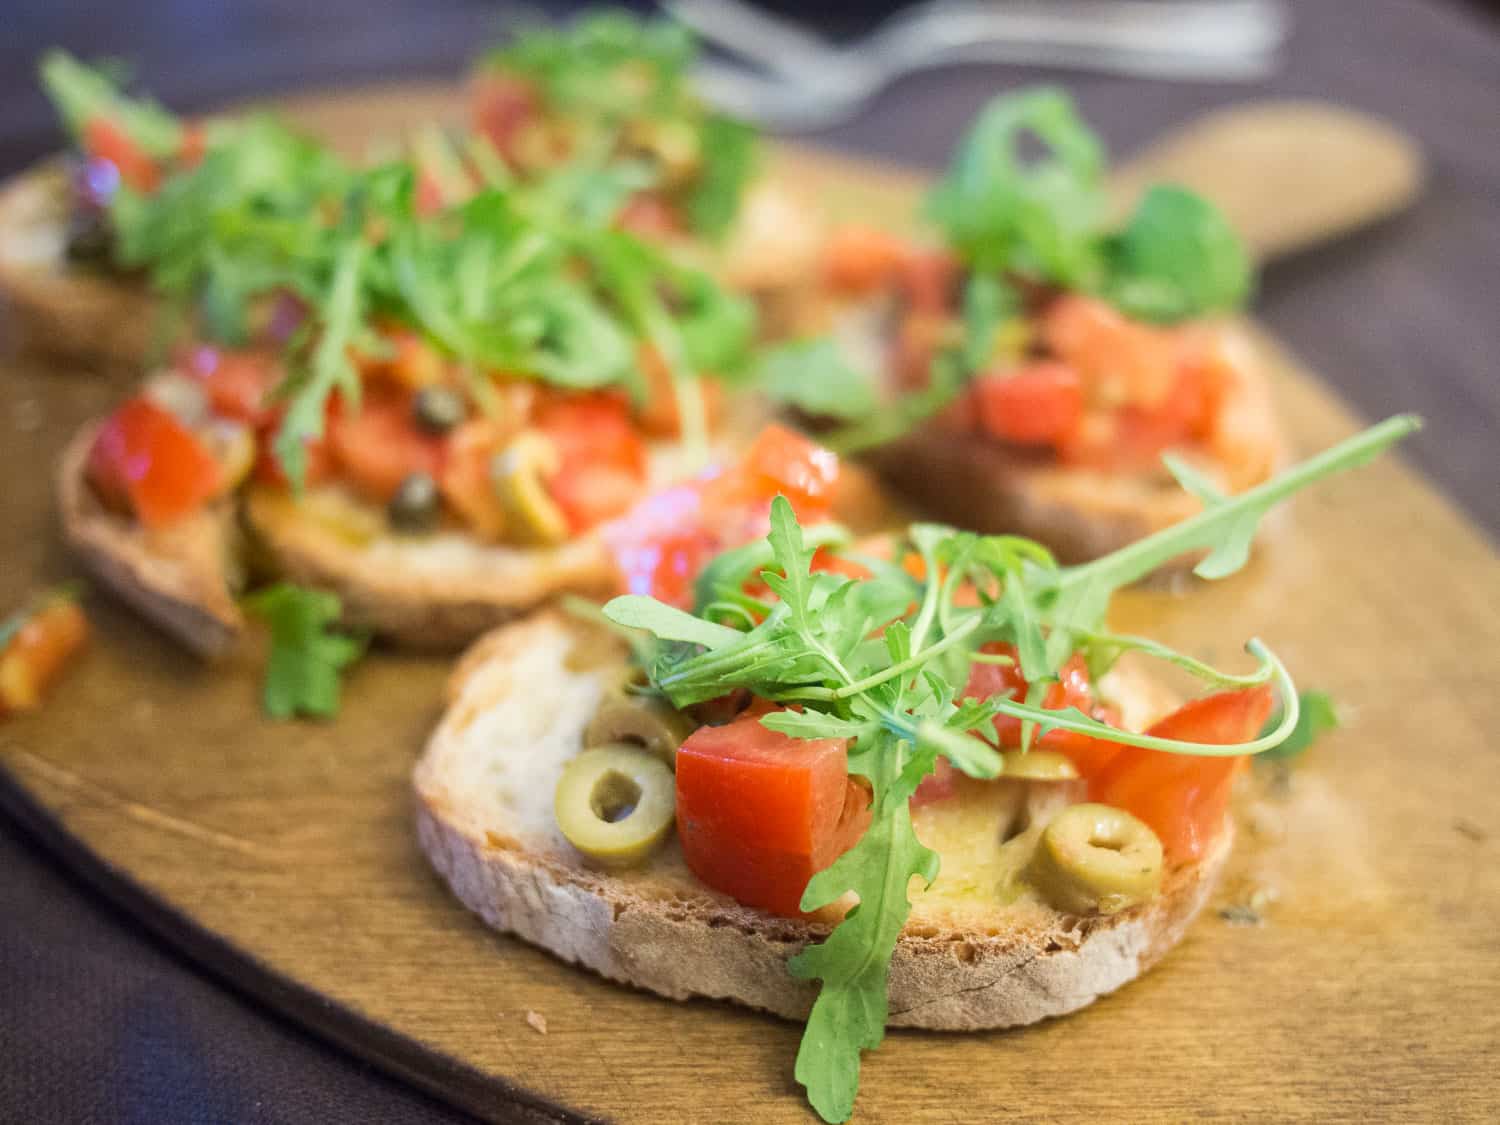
[{"x": 810, "y": 83}]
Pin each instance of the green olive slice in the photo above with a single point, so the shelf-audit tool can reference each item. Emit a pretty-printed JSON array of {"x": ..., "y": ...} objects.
[
  {"x": 646, "y": 721},
  {"x": 1037, "y": 765},
  {"x": 518, "y": 474},
  {"x": 616, "y": 804},
  {"x": 1094, "y": 859}
]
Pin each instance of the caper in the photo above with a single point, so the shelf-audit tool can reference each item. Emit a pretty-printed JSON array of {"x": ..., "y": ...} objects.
[
  {"x": 415, "y": 505},
  {"x": 518, "y": 473},
  {"x": 615, "y": 804},
  {"x": 90, "y": 237},
  {"x": 1038, "y": 765},
  {"x": 1094, "y": 859},
  {"x": 438, "y": 409},
  {"x": 639, "y": 720}
]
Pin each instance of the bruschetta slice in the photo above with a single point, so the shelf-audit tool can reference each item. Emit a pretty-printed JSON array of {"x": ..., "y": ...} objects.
[
  {"x": 921, "y": 785},
  {"x": 1031, "y": 369}
]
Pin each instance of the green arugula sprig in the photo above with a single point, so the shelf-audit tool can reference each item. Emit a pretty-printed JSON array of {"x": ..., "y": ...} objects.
[
  {"x": 879, "y": 661},
  {"x": 1044, "y": 219},
  {"x": 84, "y": 93}
]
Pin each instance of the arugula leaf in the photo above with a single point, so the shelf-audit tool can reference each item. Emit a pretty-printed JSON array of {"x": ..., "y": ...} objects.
[
  {"x": 1044, "y": 218},
  {"x": 729, "y": 153},
  {"x": 1177, "y": 258},
  {"x": 302, "y": 675},
  {"x": 813, "y": 376},
  {"x": 1317, "y": 717},
  {"x": 81, "y": 93}
]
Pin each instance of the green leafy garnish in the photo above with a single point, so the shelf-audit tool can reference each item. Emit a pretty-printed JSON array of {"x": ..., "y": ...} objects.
[
  {"x": 83, "y": 93},
  {"x": 880, "y": 661},
  {"x": 620, "y": 85},
  {"x": 813, "y": 377},
  {"x": 307, "y": 657},
  {"x": 1317, "y": 715},
  {"x": 1044, "y": 218}
]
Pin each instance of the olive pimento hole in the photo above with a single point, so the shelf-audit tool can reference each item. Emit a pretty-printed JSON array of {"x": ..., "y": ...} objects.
[{"x": 615, "y": 796}]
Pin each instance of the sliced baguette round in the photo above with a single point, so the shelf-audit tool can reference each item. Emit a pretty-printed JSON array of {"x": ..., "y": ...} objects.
[
  {"x": 53, "y": 307},
  {"x": 518, "y": 705},
  {"x": 180, "y": 578}
]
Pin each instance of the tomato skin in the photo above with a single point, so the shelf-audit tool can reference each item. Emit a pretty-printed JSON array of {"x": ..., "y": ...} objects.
[
  {"x": 38, "y": 652},
  {"x": 759, "y": 813},
  {"x": 929, "y": 281},
  {"x": 379, "y": 445},
  {"x": 858, "y": 260},
  {"x": 780, "y": 462},
  {"x": 603, "y": 459},
  {"x": 104, "y": 140},
  {"x": 501, "y": 106},
  {"x": 1184, "y": 798},
  {"x": 144, "y": 459},
  {"x": 237, "y": 382},
  {"x": 649, "y": 215},
  {"x": 1041, "y": 404}
]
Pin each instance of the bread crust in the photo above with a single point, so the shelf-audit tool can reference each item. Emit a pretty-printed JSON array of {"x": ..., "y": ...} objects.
[
  {"x": 683, "y": 940},
  {"x": 54, "y": 308},
  {"x": 179, "y": 578},
  {"x": 392, "y": 586}
]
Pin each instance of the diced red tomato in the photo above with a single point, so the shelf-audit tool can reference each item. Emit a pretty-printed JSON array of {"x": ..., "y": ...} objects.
[
  {"x": 236, "y": 382},
  {"x": 1040, "y": 404},
  {"x": 939, "y": 785},
  {"x": 650, "y": 215},
  {"x": 380, "y": 445},
  {"x": 603, "y": 459},
  {"x": 780, "y": 462},
  {"x": 929, "y": 279},
  {"x": 759, "y": 813},
  {"x": 1184, "y": 798},
  {"x": 105, "y": 140},
  {"x": 429, "y": 193},
  {"x": 194, "y": 144},
  {"x": 859, "y": 260},
  {"x": 38, "y": 652},
  {"x": 501, "y": 106},
  {"x": 1134, "y": 436},
  {"x": 146, "y": 460},
  {"x": 1072, "y": 689}
]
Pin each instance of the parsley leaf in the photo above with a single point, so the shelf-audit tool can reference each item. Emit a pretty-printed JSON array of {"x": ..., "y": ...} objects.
[
  {"x": 1177, "y": 258},
  {"x": 302, "y": 675}
]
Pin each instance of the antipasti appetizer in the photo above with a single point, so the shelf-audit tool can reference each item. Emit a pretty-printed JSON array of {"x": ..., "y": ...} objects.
[
  {"x": 913, "y": 785},
  {"x": 1030, "y": 371},
  {"x": 427, "y": 412}
]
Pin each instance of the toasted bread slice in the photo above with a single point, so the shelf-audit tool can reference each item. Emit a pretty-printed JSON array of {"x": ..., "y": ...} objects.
[
  {"x": 519, "y": 702},
  {"x": 181, "y": 578},
  {"x": 54, "y": 307}
]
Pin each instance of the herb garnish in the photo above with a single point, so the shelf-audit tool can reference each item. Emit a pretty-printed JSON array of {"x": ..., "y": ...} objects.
[
  {"x": 880, "y": 661},
  {"x": 302, "y": 675}
]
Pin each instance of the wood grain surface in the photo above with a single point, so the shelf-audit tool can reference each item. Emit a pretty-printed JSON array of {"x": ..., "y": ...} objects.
[{"x": 283, "y": 854}]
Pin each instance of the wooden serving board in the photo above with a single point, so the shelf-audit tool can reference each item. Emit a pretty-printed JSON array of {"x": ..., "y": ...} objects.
[{"x": 282, "y": 856}]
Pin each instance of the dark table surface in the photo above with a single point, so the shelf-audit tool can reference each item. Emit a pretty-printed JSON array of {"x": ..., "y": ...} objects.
[{"x": 99, "y": 1022}]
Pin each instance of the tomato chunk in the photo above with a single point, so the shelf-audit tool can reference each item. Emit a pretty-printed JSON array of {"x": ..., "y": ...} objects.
[
  {"x": 603, "y": 459},
  {"x": 380, "y": 445},
  {"x": 103, "y": 139},
  {"x": 1041, "y": 404},
  {"x": 1185, "y": 798},
  {"x": 147, "y": 461},
  {"x": 502, "y": 106},
  {"x": 236, "y": 382},
  {"x": 1073, "y": 689},
  {"x": 759, "y": 813},
  {"x": 38, "y": 652},
  {"x": 859, "y": 260}
]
